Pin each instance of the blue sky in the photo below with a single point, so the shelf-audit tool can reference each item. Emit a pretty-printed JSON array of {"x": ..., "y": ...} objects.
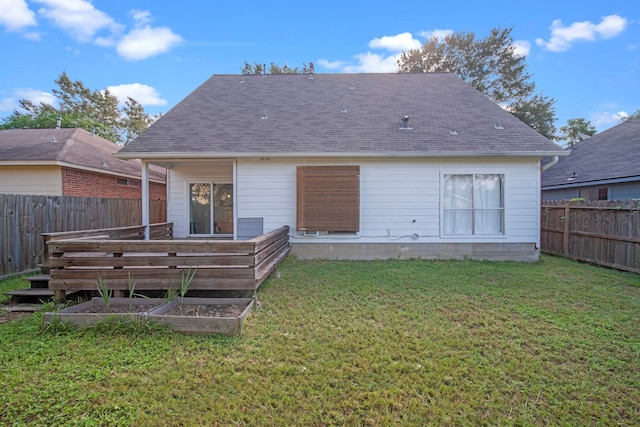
[{"x": 584, "y": 54}]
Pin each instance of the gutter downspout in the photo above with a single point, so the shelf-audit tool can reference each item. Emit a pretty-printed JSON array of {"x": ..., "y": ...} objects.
[{"x": 553, "y": 161}]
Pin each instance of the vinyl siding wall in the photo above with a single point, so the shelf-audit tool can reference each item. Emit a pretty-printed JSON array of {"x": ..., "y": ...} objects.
[
  {"x": 398, "y": 197},
  {"x": 626, "y": 191},
  {"x": 34, "y": 180}
]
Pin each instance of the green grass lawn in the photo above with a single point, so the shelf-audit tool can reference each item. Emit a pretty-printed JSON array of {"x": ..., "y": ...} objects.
[{"x": 356, "y": 343}]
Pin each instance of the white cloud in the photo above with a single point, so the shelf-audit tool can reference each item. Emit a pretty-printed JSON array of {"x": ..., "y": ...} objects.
[
  {"x": 142, "y": 17},
  {"x": 143, "y": 43},
  {"x": 373, "y": 63},
  {"x": 36, "y": 96},
  {"x": 563, "y": 37},
  {"x": 607, "y": 118},
  {"x": 369, "y": 62},
  {"x": 144, "y": 94},
  {"x": 521, "y": 47},
  {"x": 331, "y": 65},
  {"x": 437, "y": 33},
  {"x": 15, "y": 15},
  {"x": 397, "y": 43},
  {"x": 8, "y": 104},
  {"x": 79, "y": 18}
]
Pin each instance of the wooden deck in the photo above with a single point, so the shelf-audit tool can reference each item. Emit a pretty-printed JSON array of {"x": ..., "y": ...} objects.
[{"x": 79, "y": 263}]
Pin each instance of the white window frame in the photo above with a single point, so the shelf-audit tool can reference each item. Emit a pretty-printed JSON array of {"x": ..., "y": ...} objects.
[
  {"x": 473, "y": 209},
  {"x": 211, "y": 208}
]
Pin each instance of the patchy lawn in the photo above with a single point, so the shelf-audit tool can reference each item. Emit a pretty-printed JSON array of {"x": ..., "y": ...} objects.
[{"x": 356, "y": 343}]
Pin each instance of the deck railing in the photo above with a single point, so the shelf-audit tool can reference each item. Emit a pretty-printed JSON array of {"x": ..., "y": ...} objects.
[
  {"x": 81, "y": 263},
  {"x": 162, "y": 230}
]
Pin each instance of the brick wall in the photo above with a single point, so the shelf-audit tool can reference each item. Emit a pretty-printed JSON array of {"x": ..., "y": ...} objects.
[{"x": 90, "y": 184}]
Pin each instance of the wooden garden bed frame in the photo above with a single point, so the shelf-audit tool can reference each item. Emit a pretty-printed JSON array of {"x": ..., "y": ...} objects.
[{"x": 79, "y": 263}]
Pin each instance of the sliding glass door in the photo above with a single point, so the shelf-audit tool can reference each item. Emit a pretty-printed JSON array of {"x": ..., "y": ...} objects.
[{"x": 211, "y": 209}]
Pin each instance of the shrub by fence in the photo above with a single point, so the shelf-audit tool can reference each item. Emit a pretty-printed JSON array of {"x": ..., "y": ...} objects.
[
  {"x": 601, "y": 232},
  {"x": 23, "y": 219}
]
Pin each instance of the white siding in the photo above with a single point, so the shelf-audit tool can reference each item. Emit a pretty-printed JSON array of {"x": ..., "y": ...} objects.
[
  {"x": 399, "y": 198},
  {"x": 630, "y": 190},
  {"x": 36, "y": 180}
]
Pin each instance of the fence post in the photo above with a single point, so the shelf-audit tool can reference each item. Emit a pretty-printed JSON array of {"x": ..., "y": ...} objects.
[{"x": 565, "y": 235}]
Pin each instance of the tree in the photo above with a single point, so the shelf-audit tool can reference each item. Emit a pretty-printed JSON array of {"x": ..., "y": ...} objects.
[
  {"x": 94, "y": 110},
  {"x": 492, "y": 66},
  {"x": 276, "y": 69},
  {"x": 633, "y": 116},
  {"x": 575, "y": 131}
]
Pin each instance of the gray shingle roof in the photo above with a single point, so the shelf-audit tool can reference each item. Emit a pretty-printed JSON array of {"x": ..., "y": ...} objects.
[
  {"x": 305, "y": 117},
  {"x": 611, "y": 154},
  {"x": 71, "y": 146}
]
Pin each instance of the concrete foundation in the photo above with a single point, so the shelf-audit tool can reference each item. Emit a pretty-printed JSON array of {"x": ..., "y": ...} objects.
[{"x": 522, "y": 252}]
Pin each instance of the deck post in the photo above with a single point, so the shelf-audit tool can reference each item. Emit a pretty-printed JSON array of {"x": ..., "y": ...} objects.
[{"x": 145, "y": 198}]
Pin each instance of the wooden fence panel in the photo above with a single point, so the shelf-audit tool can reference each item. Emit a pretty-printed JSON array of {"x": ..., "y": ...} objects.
[
  {"x": 602, "y": 232},
  {"x": 23, "y": 219}
]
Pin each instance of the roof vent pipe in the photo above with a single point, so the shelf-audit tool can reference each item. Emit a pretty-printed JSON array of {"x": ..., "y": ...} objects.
[
  {"x": 58, "y": 122},
  {"x": 405, "y": 123}
]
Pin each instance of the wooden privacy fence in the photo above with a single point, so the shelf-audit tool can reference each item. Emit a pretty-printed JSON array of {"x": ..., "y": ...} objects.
[
  {"x": 601, "y": 232},
  {"x": 79, "y": 264},
  {"x": 23, "y": 219}
]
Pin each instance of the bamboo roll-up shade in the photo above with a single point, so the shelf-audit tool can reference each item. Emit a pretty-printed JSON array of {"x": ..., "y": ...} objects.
[{"x": 328, "y": 198}]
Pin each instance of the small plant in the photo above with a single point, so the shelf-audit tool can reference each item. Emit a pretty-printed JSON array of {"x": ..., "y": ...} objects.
[
  {"x": 172, "y": 292},
  {"x": 131, "y": 285},
  {"x": 185, "y": 282},
  {"x": 105, "y": 293}
]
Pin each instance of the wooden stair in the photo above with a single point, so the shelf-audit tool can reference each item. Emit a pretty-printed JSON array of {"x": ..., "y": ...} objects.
[{"x": 33, "y": 296}]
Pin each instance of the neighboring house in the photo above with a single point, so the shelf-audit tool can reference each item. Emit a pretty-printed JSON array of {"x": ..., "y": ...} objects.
[
  {"x": 70, "y": 162},
  {"x": 605, "y": 166},
  {"x": 359, "y": 166}
]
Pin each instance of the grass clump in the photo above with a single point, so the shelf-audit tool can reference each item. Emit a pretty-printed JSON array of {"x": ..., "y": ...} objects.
[
  {"x": 105, "y": 293},
  {"x": 356, "y": 343}
]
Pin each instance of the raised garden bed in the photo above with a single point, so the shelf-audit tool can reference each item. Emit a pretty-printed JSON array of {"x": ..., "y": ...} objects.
[
  {"x": 204, "y": 315},
  {"x": 94, "y": 311}
]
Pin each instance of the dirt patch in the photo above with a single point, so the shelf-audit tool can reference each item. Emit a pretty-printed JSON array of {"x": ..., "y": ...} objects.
[
  {"x": 207, "y": 310},
  {"x": 7, "y": 316},
  {"x": 135, "y": 308}
]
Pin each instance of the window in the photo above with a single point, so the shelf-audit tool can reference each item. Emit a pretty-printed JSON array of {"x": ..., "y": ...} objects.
[
  {"x": 473, "y": 204},
  {"x": 211, "y": 201},
  {"x": 603, "y": 193},
  {"x": 328, "y": 199},
  {"x": 129, "y": 182}
]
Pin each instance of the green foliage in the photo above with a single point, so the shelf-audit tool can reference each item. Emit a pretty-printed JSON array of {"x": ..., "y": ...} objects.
[
  {"x": 97, "y": 111},
  {"x": 355, "y": 343},
  {"x": 575, "y": 131},
  {"x": 633, "y": 116},
  {"x": 276, "y": 69},
  {"x": 186, "y": 279},
  {"x": 105, "y": 293},
  {"x": 492, "y": 66}
]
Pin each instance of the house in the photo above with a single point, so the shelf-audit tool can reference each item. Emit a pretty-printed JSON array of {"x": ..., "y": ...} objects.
[
  {"x": 603, "y": 167},
  {"x": 359, "y": 166},
  {"x": 70, "y": 162}
]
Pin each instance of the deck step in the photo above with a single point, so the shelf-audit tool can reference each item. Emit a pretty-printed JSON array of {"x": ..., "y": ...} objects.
[
  {"x": 22, "y": 307},
  {"x": 39, "y": 281},
  {"x": 31, "y": 292}
]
